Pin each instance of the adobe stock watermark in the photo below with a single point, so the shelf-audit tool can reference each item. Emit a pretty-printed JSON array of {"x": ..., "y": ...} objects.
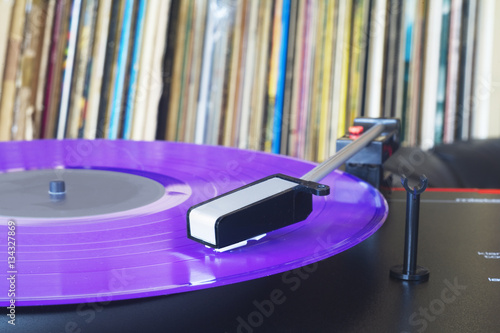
[
  {"x": 407, "y": 164},
  {"x": 264, "y": 309},
  {"x": 223, "y": 178},
  {"x": 421, "y": 319},
  {"x": 78, "y": 154},
  {"x": 292, "y": 281},
  {"x": 88, "y": 311},
  {"x": 11, "y": 272}
]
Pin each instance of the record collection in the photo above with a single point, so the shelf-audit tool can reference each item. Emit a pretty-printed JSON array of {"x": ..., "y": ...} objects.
[{"x": 284, "y": 76}]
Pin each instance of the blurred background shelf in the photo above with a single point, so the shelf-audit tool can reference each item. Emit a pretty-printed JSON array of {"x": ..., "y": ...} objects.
[{"x": 284, "y": 76}]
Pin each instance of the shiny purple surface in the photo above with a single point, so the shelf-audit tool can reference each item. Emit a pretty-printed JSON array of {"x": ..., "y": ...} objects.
[{"x": 145, "y": 252}]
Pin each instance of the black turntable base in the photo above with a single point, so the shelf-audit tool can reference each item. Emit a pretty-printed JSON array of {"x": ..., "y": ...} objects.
[{"x": 350, "y": 292}]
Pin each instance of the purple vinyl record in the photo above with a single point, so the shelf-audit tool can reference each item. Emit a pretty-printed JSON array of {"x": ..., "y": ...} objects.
[{"x": 132, "y": 252}]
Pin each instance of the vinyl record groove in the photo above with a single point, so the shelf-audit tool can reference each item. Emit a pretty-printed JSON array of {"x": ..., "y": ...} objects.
[{"x": 143, "y": 251}]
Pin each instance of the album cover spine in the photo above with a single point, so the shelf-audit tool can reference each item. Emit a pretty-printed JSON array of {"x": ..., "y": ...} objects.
[
  {"x": 341, "y": 19},
  {"x": 450, "y": 111},
  {"x": 207, "y": 72},
  {"x": 442, "y": 73},
  {"x": 317, "y": 84},
  {"x": 227, "y": 78},
  {"x": 326, "y": 68},
  {"x": 399, "y": 79},
  {"x": 79, "y": 66},
  {"x": 12, "y": 62},
  {"x": 45, "y": 55},
  {"x": 290, "y": 66},
  {"x": 128, "y": 70},
  {"x": 156, "y": 83},
  {"x": 298, "y": 60},
  {"x": 392, "y": 70},
  {"x": 43, "y": 14},
  {"x": 238, "y": 114},
  {"x": 214, "y": 108},
  {"x": 107, "y": 75},
  {"x": 134, "y": 69},
  {"x": 280, "y": 89},
  {"x": 88, "y": 72},
  {"x": 226, "y": 81},
  {"x": 51, "y": 91},
  {"x": 26, "y": 74},
  {"x": 346, "y": 60},
  {"x": 483, "y": 84},
  {"x": 331, "y": 104},
  {"x": 465, "y": 77},
  {"x": 260, "y": 88},
  {"x": 366, "y": 49},
  {"x": 97, "y": 73},
  {"x": 410, "y": 13},
  {"x": 110, "y": 97},
  {"x": 116, "y": 102},
  {"x": 144, "y": 76},
  {"x": 240, "y": 77},
  {"x": 354, "y": 62},
  {"x": 306, "y": 86},
  {"x": 193, "y": 84},
  {"x": 186, "y": 72},
  {"x": 82, "y": 63},
  {"x": 68, "y": 69},
  {"x": 318, "y": 27},
  {"x": 273, "y": 75},
  {"x": 375, "y": 35},
  {"x": 416, "y": 74},
  {"x": 179, "y": 62},
  {"x": 431, "y": 73},
  {"x": 208, "y": 112},
  {"x": 6, "y": 8},
  {"x": 168, "y": 69},
  {"x": 250, "y": 58},
  {"x": 37, "y": 22},
  {"x": 233, "y": 74}
]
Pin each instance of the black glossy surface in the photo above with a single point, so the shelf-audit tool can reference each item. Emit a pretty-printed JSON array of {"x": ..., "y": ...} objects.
[{"x": 350, "y": 292}]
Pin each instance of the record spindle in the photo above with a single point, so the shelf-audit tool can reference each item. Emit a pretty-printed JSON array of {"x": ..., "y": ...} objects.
[{"x": 57, "y": 190}]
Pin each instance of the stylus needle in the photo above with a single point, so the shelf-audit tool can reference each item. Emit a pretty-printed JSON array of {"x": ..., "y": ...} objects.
[{"x": 231, "y": 219}]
